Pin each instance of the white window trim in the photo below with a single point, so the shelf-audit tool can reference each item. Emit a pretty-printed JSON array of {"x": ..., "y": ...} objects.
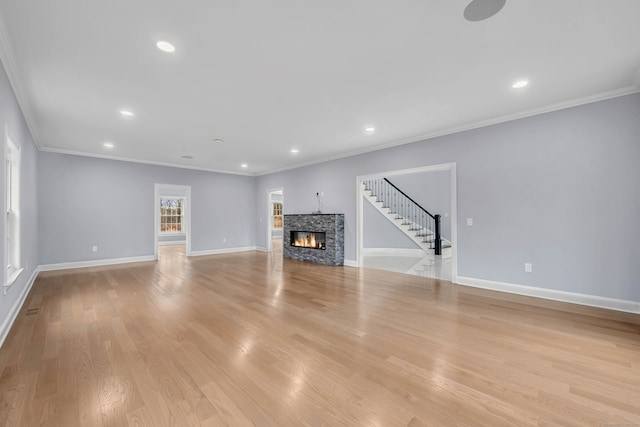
[
  {"x": 172, "y": 233},
  {"x": 13, "y": 265}
]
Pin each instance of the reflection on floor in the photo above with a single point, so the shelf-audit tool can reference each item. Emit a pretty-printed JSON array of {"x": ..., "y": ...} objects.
[
  {"x": 427, "y": 266},
  {"x": 276, "y": 246}
]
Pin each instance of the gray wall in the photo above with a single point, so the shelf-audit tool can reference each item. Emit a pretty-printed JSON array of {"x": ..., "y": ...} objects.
[
  {"x": 11, "y": 116},
  {"x": 557, "y": 190},
  {"x": 87, "y": 201},
  {"x": 172, "y": 238},
  {"x": 379, "y": 232}
]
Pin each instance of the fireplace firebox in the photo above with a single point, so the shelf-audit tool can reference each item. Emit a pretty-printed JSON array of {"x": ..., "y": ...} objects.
[{"x": 308, "y": 239}]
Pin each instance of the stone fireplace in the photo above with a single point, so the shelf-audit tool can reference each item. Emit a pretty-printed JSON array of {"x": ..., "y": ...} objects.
[{"x": 316, "y": 238}]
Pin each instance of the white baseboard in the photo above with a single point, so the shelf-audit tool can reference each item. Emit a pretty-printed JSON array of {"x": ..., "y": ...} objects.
[
  {"x": 95, "y": 263},
  {"x": 552, "y": 294},
  {"x": 350, "y": 263},
  {"x": 261, "y": 248},
  {"x": 224, "y": 251},
  {"x": 13, "y": 313},
  {"x": 416, "y": 253},
  {"x": 173, "y": 242}
]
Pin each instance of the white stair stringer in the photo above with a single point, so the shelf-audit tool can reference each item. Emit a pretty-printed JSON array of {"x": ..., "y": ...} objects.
[{"x": 408, "y": 229}]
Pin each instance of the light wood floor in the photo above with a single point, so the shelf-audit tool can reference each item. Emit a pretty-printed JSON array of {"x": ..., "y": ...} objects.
[{"x": 247, "y": 339}]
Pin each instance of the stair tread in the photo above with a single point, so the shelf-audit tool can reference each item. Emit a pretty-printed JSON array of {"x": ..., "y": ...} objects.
[{"x": 420, "y": 235}]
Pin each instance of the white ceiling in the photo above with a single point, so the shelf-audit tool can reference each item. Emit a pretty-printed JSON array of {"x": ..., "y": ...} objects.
[{"x": 268, "y": 76}]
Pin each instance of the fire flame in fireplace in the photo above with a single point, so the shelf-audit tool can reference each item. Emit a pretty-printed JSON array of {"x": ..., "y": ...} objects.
[{"x": 308, "y": 242}]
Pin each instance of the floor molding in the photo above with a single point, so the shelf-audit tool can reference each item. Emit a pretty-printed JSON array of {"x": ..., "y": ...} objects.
[
  {"x": 224, "y": 251},
  {"x": 416, "y": 253},
  {"x": 350, "y": 263},
  {"x": 172, "y": 242},
  {"x": 95, "y": 263},
  {"x": 17, "y": 306},
  {"x": 552, "y": 294}
]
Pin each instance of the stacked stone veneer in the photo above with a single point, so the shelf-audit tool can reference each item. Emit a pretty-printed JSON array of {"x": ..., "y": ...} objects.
[{"x": 330, "y": 224}]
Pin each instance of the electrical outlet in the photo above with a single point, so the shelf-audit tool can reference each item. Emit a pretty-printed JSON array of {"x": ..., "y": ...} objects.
[
  {"x": 95, "y": 249},
  {"x": 469, "y": 222},
  {"x": 528, "y": 267},
  {"x": 224, "y": 240}
]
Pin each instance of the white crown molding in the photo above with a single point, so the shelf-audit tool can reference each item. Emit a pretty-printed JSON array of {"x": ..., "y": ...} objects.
[
  {"x": 17, "y": 306},
  {"x": 224, "y": 251},
  {"x": 448, "y": 131},
  {"x": 146, "y": 162},
  {"x": 95, "y": 263},
  {"x": 552, "y": 294},
  {"x": 7, "y": 58},
  {"x": 474, "y": 125}
]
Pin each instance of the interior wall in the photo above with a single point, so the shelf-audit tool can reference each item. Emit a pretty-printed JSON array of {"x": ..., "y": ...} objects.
[
  {"x": 379, "y": 232},
  {"x": 557, "y": 190},
  {"x": 11, "y": 116},
  {"x": 87, "y": 202},
  {"x": 163, "y": 238}
]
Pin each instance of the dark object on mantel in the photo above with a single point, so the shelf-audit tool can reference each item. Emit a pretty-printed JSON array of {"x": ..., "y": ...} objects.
[{"x": 331, "y": 225}]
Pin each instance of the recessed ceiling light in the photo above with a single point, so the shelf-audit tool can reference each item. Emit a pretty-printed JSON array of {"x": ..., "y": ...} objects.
[
  {"x": 108, "y": 145},
  {"x": 218, "y": 140},
  {"x": 295, "y": 150},
  {"x": 520, "y": 84},
  {"x": 126, "y": 113},
  {"x": 165, "y": 46},
  {"x": 244, "y": 165},
  {"x": 187, "y": 157},
  {"x": 369, "y": 130}
]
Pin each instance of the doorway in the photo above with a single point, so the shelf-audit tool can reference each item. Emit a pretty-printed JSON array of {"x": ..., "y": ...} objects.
[
  {"x": 275, "y": 219},
  {"x": 172, "y": 216},
  {"x": 399, "y": 259}
]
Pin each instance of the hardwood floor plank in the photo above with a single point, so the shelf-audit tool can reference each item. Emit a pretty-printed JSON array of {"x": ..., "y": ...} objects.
[{"x": 251, "y": 339}]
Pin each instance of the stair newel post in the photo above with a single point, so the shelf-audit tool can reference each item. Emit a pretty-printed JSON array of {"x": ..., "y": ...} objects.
[{"x": 438, "y": 241}]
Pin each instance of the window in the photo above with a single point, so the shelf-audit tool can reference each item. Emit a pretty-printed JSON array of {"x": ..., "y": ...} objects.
[
  {"x": 277, "y": 215},
  {"x": 172, "y": 215},
  {"x": 12, "y": 211}
]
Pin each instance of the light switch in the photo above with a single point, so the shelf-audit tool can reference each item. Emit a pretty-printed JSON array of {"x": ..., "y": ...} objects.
[{"x": 469, "y": 222}]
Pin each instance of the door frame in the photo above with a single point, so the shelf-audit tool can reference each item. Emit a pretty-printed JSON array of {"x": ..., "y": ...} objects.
[
  {"x": 269, "y": 222},
  {"x": 157, "y": 188},
  {"x": 451, "y": 167}
]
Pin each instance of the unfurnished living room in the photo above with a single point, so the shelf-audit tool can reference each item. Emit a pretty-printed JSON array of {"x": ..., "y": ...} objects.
[{"x": 356, "y": 213}]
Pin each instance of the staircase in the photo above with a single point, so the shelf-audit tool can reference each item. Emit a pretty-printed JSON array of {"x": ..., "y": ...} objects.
[{"x": 413, "y": 220}]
